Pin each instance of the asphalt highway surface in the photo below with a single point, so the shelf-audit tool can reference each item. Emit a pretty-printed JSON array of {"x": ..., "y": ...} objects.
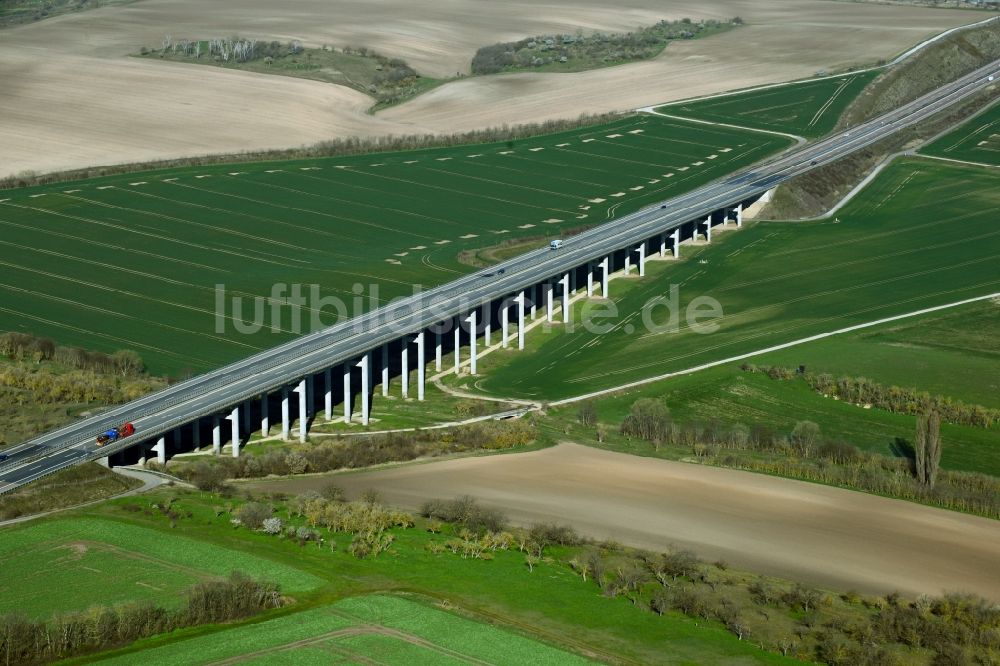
[{"x": 216, "y": 392}]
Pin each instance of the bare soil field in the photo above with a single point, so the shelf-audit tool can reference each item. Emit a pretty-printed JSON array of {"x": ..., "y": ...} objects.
[
  {"x": 73, "y": 98},
  {"x": 817, "y": 534}
]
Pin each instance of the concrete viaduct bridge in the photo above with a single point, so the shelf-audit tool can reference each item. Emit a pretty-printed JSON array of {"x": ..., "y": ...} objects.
[{"x": 342, "y": 365}]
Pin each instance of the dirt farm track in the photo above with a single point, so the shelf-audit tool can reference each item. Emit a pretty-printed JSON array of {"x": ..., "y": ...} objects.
[
  {"x": 830, "y": 537},
  {"x": 72, "y": 96}
]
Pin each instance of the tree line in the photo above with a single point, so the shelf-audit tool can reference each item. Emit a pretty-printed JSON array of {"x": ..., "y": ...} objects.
[
  {"x": 25, "y": 641},
  {"x": 600, "y": 47},
  {"x": 913, "y": 473},
  {"x": 863, "y": 391},
  {"x": 331, "y": 148},
  {"x": 359, "y": 452},
  {"x": 27, "y": 347}
]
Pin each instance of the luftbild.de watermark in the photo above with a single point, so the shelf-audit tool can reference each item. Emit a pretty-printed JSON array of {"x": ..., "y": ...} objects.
[{"x": 298, "y": 309}]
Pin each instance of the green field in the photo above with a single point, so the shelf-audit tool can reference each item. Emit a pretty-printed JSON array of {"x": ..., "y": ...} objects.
[
  {"x": 327, "y": 586},
  {"x": 893, "y": 250},
  {"x": 133, "y": 261},
  {"x": 978, "y": 140},
  {"x": 810, "y": 108},
  {"x": 726, "y": 395},
  {"x": 954, "y": 353},
  {"x": 72, "y": 564},
  {"x": 385, "y": 629}
]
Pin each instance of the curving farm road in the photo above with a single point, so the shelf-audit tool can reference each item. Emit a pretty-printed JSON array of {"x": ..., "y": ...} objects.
[{"x": 830, "y": 537}]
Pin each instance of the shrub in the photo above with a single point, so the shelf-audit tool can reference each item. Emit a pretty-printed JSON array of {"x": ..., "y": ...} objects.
[{"x": 253, "y": 514}]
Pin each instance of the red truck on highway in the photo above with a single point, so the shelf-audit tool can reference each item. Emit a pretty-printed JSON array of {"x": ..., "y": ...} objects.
[{"x": 114, "y": 434}]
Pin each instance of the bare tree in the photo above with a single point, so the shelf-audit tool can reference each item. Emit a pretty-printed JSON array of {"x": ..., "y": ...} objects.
[{"x": 929, "y": 431}]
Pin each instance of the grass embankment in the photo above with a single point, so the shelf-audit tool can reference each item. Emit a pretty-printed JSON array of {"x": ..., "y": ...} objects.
[
  {"x": 394, "y": 220},
  {"x": 978, "y": 140},
  {"x": 955, "y": 353},
  {"x": 577, "y": 53},
  {"x": 818, "y": 191},
  {"x": 777, "y": 283},
  {"x": 808, "y": 108},
  {"x": 66, "y": 488}
]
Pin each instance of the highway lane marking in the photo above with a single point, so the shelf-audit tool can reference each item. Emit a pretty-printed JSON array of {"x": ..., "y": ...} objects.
[
  {"x": 562, "y": 145},
  {"x": 411, "y": 161},
  {"x": 106, "y": 187},
  {"x": 597, "y": 200},
  {"x": 535, "y": 150},
  {"x": 236, "y": 173},
  {"x": 783, "y": 168},
  {"x": 467, "y": 236},
  {"x": 441, "y": 242}
]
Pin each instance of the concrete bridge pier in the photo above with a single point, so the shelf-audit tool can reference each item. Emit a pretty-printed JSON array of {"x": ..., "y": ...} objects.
[
  {"x": 590, "y": 279},
  {"x": 565, "y": 297},
  {"x": 458, "y": 342},
  {"x": 421, "y": 364},
  {"x": 328, "y": 394},
  {"x": 265, "y": 415},
  {"x": 641, "y": 250},
  {"x": 549, "y": 306},
  {"x": 504, "y": 323},
  {"x": 487, "y": 324},
  {"x": 675, "y": 238},
  {"x": 161, "y": 450},
  {"x": 708, "y": 228},
  {"x": 365, "y": 365},
  {"x": 302, "y": 390},
  {"x": 234, "y": 419},
  {"x": 404, "y": 369},
  {"x": 384, "y": 369},
  {"x": 739, "y": 215},
  {"x": 438, "y": 351},
  {"x": 347, "y": 392},
  {"x": 472, "y": 341},
  {"x": 286, "y": 417},
  {"x": 246, "y": 416},
  {"x": 216, "y": 435},
  {"x": 520, "y": 320},
  {"x": 605, "y": 274}
]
